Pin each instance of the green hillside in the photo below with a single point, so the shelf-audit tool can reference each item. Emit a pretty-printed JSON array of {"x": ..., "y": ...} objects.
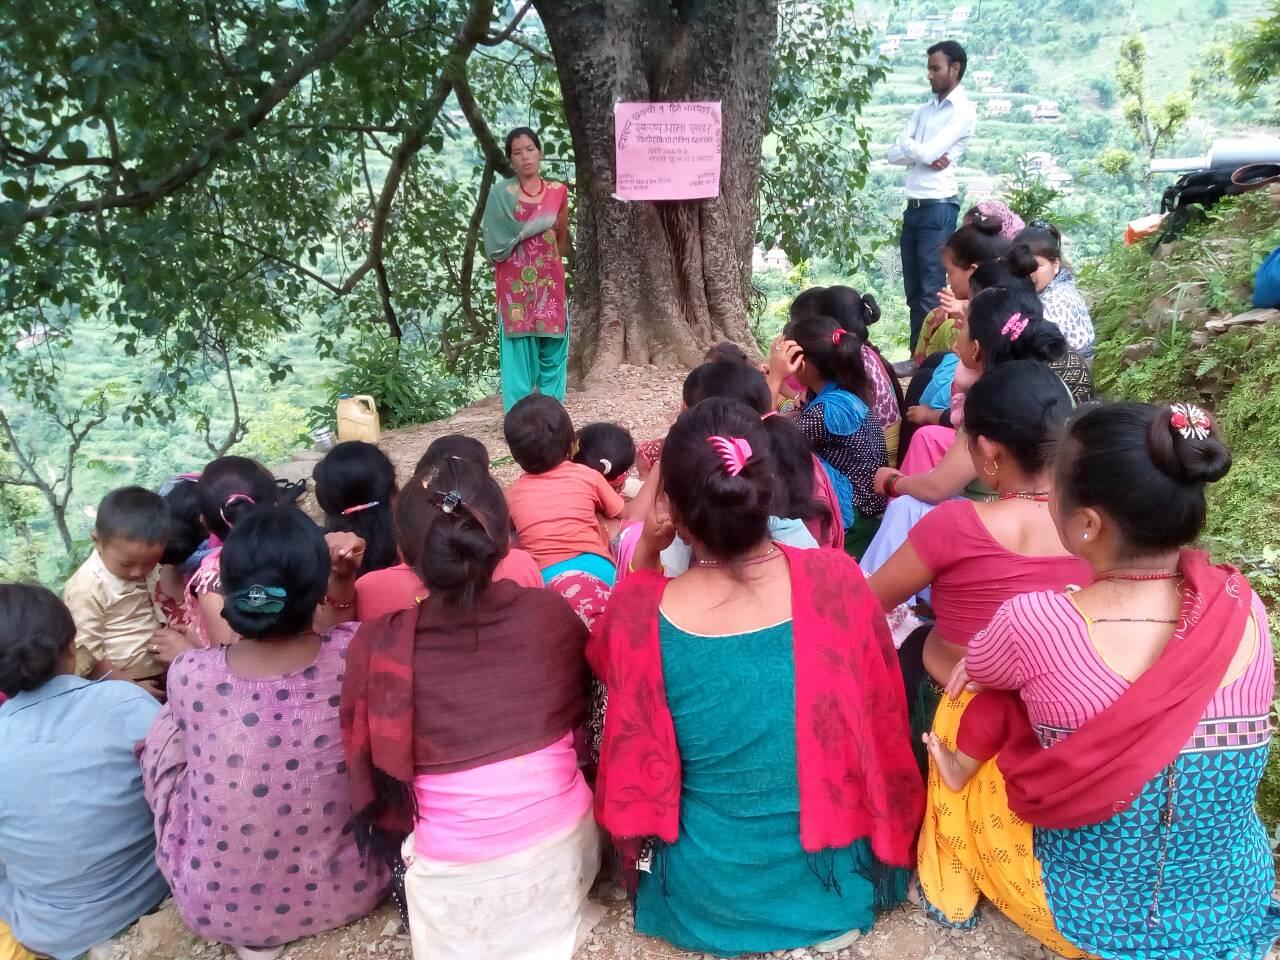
[{"x": 1067, "y": 51}]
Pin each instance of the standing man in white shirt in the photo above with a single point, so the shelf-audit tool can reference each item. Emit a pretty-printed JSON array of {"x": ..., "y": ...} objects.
[{"x": 930, "y": 148}]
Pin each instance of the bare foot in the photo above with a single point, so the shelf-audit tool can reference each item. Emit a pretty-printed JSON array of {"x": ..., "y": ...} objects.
[{"x": 951, "y": 768}]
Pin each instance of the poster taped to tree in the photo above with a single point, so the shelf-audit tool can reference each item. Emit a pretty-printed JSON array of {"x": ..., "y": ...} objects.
[{"x": 667, "y": 151}]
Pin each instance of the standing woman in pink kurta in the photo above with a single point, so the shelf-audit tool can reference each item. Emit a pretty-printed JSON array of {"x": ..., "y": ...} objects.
[{"x": 526, "y": 235}]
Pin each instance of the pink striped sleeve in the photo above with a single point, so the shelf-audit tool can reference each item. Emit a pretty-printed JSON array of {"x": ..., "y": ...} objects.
[
  {"x": 993, "y": 658},
  {"x": 1075, "y": 683},
  {"x": 1251, "y": 694}
]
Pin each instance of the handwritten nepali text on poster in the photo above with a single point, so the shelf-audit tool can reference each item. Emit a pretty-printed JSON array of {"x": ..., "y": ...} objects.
[{"x": 667, "y": 151}]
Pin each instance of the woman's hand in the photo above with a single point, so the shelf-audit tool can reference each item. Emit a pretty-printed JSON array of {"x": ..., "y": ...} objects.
[
  {"x": 921, "y": 415},
  {"x": 785, "y": 357},
  {"x": 951, "y": 305},
  {"x": 659, "y": 533},
  {"x": 881, "y": 482},
  {"x": 959, "y": 681},
  {"x": 167, "y": 644},
  {"x": 346, "y": 553}
]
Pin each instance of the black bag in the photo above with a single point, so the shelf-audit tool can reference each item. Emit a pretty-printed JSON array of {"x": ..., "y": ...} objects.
[{"x": 1203, "y": 189}]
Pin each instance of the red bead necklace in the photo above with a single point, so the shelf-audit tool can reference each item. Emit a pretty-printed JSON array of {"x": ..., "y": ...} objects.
[
  {"x": 1140, "y": 577},
  {"x": 542, "y": 186}
]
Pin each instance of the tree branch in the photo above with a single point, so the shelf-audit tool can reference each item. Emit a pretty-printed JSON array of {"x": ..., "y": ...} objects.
[
  {"x": 525, "y": 45},
  {"x": 239, "y": 429},
  {"x": 25, "y": 461},
  {"x": 28, "y": 158},
  {"x": 472, "y": 30},
  {"x": 473, "y": 241},
  {"x": 494, "y": 155},
  {"x": 209, "y": 151},
  {"x": 283, "y": 261},
  {"x": 505, "y": 34}
]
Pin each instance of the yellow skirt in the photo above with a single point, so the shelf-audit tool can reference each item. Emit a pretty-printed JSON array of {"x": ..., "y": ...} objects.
[
  {"x": 943, "y": 338},
  {"x": 10, "y": 948},
  {"x": 891, "y": 435},
  {"x": 972, "y": 845}
]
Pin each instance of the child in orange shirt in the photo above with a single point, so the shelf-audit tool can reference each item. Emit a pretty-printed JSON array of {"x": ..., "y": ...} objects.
[{"x": 556, "y": 504}]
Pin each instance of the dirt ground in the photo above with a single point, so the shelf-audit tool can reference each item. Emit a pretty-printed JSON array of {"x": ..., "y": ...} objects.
[
  {"x": 904, "y": 934},
  {"x": 645, "y": 401}
]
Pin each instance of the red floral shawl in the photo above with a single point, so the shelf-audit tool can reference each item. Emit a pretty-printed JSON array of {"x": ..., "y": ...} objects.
[
  {"x": 1098, "y": 771},
  {"x": 857, "y": 775}
]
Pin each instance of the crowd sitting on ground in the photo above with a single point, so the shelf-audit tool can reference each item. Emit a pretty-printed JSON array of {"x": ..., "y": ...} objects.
[{"x": 835, "y": 648}]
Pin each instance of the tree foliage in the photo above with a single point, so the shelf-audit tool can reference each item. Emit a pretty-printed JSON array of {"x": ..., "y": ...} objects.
[
  {"x": 1254, "y": 59},
  {"x": 208, "y": 180},
  {"x": 811, "y": 187},
  {"x": 1153, "y": 124}
]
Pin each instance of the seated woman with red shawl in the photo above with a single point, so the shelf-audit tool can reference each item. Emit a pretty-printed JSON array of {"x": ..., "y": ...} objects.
[
  {"x": 458, "y": 718},
  {"x": 1148, "y": 695},
  {"x": 755, "y": 758}
]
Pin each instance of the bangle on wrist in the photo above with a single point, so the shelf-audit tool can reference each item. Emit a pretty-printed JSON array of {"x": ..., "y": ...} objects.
[
  {"x": 890, "y": 483},
  {"x": 328, "y": 601}
]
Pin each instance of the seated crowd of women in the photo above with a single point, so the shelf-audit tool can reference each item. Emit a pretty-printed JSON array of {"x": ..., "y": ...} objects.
[{"x": 423, "y": 703}]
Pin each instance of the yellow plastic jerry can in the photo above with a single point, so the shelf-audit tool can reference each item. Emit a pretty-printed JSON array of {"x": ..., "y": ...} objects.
[{"x": 358, "y": 418}]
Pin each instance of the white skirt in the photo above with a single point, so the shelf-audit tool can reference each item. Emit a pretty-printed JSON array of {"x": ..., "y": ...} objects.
[{"x": 530, "y": 905}]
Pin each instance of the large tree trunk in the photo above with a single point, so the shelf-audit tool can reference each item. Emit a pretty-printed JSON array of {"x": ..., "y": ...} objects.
[{"x": 659, "y": 282}]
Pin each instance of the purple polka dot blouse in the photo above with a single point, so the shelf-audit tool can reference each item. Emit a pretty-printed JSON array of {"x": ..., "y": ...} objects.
[{"x": 252, "y": 805}]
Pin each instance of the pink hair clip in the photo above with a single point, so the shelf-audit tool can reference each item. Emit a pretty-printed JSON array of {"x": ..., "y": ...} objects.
[
  {"x": 837, "y": 335},
  {"x": 359, "y": 507},
  {"x": 1190, "y": 421},
  {"x": 1014, "y": 326},
  {"x": 232, "y": 501},
  {"x": 734, "y": 451}
]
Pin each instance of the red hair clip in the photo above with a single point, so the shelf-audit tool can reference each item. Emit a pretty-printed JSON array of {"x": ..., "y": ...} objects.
[
  {"x": 837, "y": 335},
  {"x": 1190, "y": 421}
]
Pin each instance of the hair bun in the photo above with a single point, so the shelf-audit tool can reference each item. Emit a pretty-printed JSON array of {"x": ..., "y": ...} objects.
[
  {"x": 1182, "y": 456},
  {"x": 870, "y": 309},
  {"x": 34, "y": 659},
  {"x": 986, "y": 223},
  {"x": 1022, "y": 262}
]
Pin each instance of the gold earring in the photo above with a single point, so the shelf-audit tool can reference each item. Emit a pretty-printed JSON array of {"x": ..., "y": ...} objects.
[{"x": 990, "y": 468}]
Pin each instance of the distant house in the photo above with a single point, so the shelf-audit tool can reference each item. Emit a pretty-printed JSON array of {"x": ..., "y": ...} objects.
[
  {"x": 776, "y": 260},
  {"x": 890, "y": 48},
  {"x": 961, "y": 14},
  {"x": 1060, "y": 180},
  {"x": 984, "y": 78},
  {"x": 1038, "y": 162},
  {"x": 916, "y": 29},
  {"x": 1028, "y": 108},
  {"x": 37, "y": 336},
  {"x": 1047, "y": 111},
  {"x": 998, "y": 107},
  {"x": 979, "y": 188}
]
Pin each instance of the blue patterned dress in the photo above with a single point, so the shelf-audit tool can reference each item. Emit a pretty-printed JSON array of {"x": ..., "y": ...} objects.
[{"x": 1186, "y": 871}]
